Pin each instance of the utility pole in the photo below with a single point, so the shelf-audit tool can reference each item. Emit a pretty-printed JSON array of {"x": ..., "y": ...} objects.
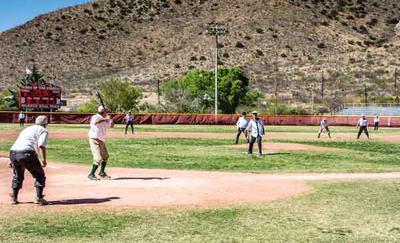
[
  {"x": 158, "y": 92},
  {"x": 276, "y": 96},
  {"x": 216, "y": 29},
  {"x": 365, "y": 92},
  {"x": 395, "y": 82},
  {"x": 312, "y": 101},
  {"x": 396, "y": 92},
  {"x": 322, "y": 85}
]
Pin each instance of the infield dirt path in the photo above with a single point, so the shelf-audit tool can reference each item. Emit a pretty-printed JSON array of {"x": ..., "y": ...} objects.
[{"x": 68, "y": 187}]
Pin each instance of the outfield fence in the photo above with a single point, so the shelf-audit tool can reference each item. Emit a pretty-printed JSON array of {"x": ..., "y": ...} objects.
[{"x": 196, "y": 119}]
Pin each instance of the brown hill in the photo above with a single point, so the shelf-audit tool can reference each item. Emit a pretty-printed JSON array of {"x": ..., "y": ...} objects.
[{"x": 292, "y": 41}]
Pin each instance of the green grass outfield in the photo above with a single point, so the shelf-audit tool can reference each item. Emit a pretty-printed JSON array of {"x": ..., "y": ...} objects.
[
  {"x": 367, "y": 211},
  {"x": 200, "y": 128},
  {"x": 352, "y": 211},
  {"x": 221, "y": 155}
]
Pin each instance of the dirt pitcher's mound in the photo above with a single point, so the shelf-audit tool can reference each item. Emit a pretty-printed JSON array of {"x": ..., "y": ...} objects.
[{"x": 139, "y": 188}]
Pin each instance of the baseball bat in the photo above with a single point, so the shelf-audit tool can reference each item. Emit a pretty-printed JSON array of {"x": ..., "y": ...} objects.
[{"x": 100, "y": 99}]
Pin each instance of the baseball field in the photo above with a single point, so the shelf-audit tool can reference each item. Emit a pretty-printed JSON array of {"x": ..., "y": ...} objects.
[{"x": 191, "y": 183}]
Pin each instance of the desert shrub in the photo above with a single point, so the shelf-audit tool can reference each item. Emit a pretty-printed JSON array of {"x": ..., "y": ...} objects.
[
  {"x": 120, "y": 95},
  {"x": 282, "y": 109},
  {"x": 239, "y": 45},
  {"x": 259, "y": 30},
  {"x": 8, "y": 100},
  {"x": 88, "y": 107}
]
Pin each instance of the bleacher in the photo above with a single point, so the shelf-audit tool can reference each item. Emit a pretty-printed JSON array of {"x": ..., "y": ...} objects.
[{"x": 370, "y": 109}]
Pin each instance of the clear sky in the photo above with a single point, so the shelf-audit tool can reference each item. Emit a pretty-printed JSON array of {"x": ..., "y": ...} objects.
[{"x": 17, "y": 12}]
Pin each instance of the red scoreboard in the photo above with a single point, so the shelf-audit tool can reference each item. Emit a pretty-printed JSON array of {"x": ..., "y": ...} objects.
[{"x": 40, "y": 96}]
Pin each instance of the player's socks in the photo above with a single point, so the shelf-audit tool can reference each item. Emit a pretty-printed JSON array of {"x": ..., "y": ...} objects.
[
  {"x": 39, "y": 192},
  {"x": 94, "y": 168},
  {"x": 14, "y": 193},
  {"x": 103, "y": 167}
]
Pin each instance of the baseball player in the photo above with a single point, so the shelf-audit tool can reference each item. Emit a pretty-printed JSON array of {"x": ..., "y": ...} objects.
[
  {"x": 129, "y": 122},
  {"x": 376, "y": 123},
  {"x": 256, "y": 128},
  {"x": 241, "y": 125},
  {"x": 24, "y": 155},
  {"x": 99, "y": 125},
  {"x": 324, "y": 126},
  {"x": 362, "y": 124},
  {"x": 21, "y": 119}
]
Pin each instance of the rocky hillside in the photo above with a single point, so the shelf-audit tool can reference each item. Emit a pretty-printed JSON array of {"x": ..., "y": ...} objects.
[{"x": 292, "y": 42}]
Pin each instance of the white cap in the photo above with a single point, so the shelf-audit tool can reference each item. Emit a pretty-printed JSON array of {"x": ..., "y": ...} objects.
[
  {"x": 41, "y": 120},
  {"x": 101, "y": 109},
  {"x": 254, "y": 112}
]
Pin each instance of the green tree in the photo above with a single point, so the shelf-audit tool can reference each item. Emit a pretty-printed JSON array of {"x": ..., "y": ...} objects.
[
  {"x": 36, "y": 77},
  {"x": 120, "y": 95},
  {"x": 194, "y": 92},
  {"x": 9, "y": 98},
  {"x": 88, "y": 107}
]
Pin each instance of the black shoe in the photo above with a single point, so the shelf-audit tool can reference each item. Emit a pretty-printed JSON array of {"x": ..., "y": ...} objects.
[
  {"x": 13, "y": 200},
  {"x": 104, "y": 177},
  {"x": 41, "y": 201},
  {"x": 92, "y": 178}
]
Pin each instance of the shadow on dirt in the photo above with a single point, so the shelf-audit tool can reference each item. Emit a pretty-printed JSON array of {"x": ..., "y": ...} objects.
[
  {"x": 83, "y": 201},
  {"x": 141, "y": 178}
]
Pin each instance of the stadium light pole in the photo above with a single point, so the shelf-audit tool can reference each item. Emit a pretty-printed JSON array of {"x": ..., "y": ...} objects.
[{"x": 216, "y": 29}]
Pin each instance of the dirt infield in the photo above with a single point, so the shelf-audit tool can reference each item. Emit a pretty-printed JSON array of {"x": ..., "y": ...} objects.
[
  {"x": 69, "y": 188},
  {"x": 67, "y": 185}
]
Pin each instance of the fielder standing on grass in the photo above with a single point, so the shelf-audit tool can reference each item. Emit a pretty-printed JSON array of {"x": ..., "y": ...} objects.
[
  {"x": 241, "y": 125},
  {"x": 362, "y": 124},
  {"x": 21, "y": 119},
  {"x": 376, "y": 123},
  {"x": 256, "y": 128},
  {"x": 129, "y": 122},
  {"x": 99, "y": 125},
  {"x": 23, "y": 155},
  {"x": 324, "y": 126}
]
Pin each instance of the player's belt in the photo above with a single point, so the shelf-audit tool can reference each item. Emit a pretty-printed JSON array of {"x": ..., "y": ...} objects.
[{"x": 23, "y": 151}]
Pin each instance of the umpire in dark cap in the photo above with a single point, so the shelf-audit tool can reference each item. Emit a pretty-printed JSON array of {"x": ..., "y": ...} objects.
[{"x": 23, "y": 155}]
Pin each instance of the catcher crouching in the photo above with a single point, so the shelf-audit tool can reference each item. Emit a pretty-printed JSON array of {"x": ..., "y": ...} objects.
[{"x": 99, "y": 124}]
